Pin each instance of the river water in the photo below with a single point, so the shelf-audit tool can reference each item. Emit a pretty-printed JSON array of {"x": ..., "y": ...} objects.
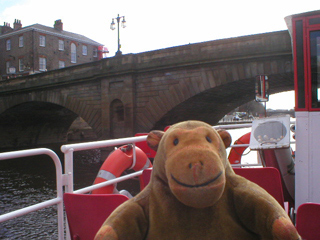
[{"x": 27, "y": 181}]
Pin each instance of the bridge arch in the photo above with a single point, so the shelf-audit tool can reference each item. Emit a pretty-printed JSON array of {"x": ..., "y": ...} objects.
[
  {"x": 34, "y": 123},
  {"x": 65, "y": 100},
  {"x": 40, "y": 117},
  {"x": 210, "y": 105},
  {"x": 212, "y": 91}
]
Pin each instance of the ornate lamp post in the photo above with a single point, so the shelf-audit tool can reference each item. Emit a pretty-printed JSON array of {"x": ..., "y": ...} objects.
[{"x": 112, "y": 27}]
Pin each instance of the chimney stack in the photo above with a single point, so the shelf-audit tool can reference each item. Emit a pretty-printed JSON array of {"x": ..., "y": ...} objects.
[
  {"x": 58, "y": 25},
  {"x": 5, "y": 28},
  {"x": 17, "y": 24}
]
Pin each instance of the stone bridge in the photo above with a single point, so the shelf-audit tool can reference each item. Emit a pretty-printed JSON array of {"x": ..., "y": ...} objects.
[{"x": 123, "y": 95}]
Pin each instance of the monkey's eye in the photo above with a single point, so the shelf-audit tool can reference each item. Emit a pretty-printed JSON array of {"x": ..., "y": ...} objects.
[
  {"x": 176, "y": 141},
  {"x": 208, "y": 139}
]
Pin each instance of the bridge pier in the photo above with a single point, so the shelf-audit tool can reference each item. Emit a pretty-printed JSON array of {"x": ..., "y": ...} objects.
[{"x": 117, "y": 107}]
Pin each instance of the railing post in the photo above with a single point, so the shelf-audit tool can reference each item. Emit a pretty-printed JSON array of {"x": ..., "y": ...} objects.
[
  {"x": 134, "y": 158},
  {"x": 68, "y": 169},
  {"x": 59, "y": 180}
]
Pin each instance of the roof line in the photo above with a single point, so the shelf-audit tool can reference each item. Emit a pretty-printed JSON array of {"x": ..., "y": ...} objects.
[{"x": 32, "y": 27}]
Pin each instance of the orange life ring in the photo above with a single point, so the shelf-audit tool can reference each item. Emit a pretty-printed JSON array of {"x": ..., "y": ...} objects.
[
  {"x": 236, "y": 152},
  {"x": 117, "y": 162}
]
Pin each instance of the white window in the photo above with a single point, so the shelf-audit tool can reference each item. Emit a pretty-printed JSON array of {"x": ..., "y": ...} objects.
[
  {"x": 62, "y": 64},
  {"x": 21, "y": 66},
  {"x": 95, "y": 52},
  {"x": 61, "y": 45},
  {"x": 42, "y": 41},
  {"x": 73, "y": 53},
  {"x": 8, "y": 44},
  {"x": 21, "y": 41},
  {"x": 84, "y": 50},
  {"x": 42, "y": 64},
  {"x": 7, "y": 66}
]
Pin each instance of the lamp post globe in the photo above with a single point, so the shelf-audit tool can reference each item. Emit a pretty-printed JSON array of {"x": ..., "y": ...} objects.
[{"x": 113, "y": 27}]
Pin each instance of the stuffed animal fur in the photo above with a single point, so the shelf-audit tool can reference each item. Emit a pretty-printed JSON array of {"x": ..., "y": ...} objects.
[{"x": 194, "y": 194}]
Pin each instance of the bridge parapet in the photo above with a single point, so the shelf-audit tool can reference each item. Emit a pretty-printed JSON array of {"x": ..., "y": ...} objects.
[
  {"x": 218, "y": 51},
  {"x": 269, "y": 44}
]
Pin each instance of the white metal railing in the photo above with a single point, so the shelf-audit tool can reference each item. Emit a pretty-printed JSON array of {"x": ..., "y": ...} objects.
[
  {"x": 67, "y": 178},
  {"x": 233, "y": 126},
  {"x": 56, "y": 201},
  {"x": 69, "y": 149},
  {"x": 109, "y": 182}
]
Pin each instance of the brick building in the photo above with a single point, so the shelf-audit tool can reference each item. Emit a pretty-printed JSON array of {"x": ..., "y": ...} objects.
[{"x": 39, "y": 48}]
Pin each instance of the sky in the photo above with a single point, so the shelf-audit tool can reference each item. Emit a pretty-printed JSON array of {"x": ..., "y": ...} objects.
[{"x": 153, "y": 25}]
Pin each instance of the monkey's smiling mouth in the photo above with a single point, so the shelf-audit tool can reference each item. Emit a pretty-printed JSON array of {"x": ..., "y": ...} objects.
[{"x": 197, "y": 185}]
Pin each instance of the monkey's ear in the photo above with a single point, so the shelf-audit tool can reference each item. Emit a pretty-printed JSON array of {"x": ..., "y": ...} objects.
[
  {"x": 225, "y": 136},
  {"x": 154, "y": 138}
]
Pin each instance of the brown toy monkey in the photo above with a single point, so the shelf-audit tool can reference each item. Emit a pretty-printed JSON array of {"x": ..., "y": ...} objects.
[{"x": 194, "y": 194}]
